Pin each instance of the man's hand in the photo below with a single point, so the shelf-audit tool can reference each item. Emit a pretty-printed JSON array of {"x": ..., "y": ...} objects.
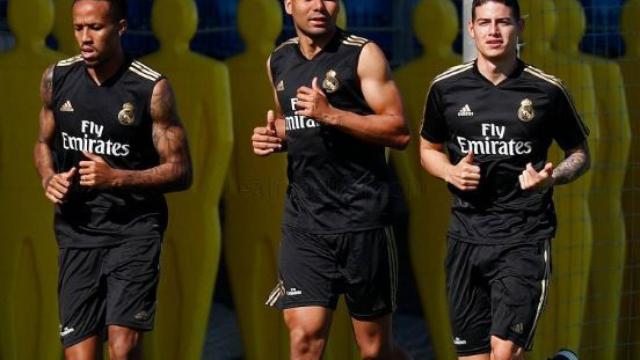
[
  {"x": 56, "y": 186},
  {"x": 313, "y": 103},
  {"x": 464, "y": 175},
  {"x": 530, "y": 179},
  {"x": 265, "y": 138},
  {"x": 95, "y": 172}
]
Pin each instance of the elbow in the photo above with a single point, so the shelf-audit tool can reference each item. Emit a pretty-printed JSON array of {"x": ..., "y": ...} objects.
[
  {"x": 401, "y": 142},
  {"x": 185, "y": 180}
]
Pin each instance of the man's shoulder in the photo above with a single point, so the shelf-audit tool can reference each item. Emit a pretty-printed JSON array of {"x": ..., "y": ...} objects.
[
  {"x": 285, "y": 45},
  {"x": 452, "y": 75},
  {"x": 550, "y": 83},
  {"x": 143, "y": 72}
]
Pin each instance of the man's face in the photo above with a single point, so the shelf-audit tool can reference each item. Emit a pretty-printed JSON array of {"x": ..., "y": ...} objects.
[
  {"x": 97, "y": 33},
  {"x": 495, "y": 31},
  {"x": 313, "y": 17}
]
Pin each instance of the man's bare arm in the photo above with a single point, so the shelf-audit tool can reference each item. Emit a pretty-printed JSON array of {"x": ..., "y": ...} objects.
[
  {"x": 576, "y": 162},
  {"x": 386, "y": 126},
  {"x": 174, "y": 173},
  {"x": 42, "y": 157}
]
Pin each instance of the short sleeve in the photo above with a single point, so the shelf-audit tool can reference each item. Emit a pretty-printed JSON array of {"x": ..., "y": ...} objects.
[
  {"x": 568, "y": 129},
  {"x": 434, "y": 127}
]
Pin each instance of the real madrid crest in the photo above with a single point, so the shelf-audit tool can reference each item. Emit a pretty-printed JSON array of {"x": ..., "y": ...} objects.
[
  {"x": 525, "y": 112},
  {"x": 330, "y": 83},
  {"x": 126, "y": 116}
]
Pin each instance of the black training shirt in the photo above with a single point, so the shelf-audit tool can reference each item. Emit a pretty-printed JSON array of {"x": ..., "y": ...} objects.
[
  {"x": 337, "y": 183},
  {"x": 113, "y": 121},
  {"x": 506, "y": 126}
]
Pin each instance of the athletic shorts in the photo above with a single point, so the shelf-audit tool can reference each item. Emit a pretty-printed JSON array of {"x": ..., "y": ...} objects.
[
  {"x": 316, "y": 269},
  {"x": 105, "y": 286},
  {"x": 495, "y": 290}
]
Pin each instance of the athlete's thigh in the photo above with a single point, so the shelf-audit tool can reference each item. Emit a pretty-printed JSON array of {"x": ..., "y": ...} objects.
[
  {"x": 132, "y": 273},
  {"x": 307, "y": 271},
  {"x": 81, "y": 294},
  {"x": 368, "y": 265},
  {"x": 519, "y": 291},
  {"x": 469, "y": 299}
]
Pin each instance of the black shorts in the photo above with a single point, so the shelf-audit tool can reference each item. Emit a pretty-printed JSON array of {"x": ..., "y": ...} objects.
[
  {"x": 495, "y": 290},
  {"x": 316, "y": 269},
  {"x": 107, "y": 286}
]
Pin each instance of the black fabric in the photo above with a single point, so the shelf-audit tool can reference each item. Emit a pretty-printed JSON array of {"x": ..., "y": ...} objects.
[
  {"x": 316, "y": 268},
  {"x": 113, "y": 121},
  {"x": 495, "y": 290},
  {"x": 107, "y": 286},
  {"x": 464, "y": 111},
  {"x": 337, "y": 183}
]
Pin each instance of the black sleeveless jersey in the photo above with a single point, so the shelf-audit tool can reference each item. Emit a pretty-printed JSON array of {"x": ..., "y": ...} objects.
[
  {"x": 506, "y": 126},
  {"x": 113, "y": 121},
  {"x": 337, "y": 183}
]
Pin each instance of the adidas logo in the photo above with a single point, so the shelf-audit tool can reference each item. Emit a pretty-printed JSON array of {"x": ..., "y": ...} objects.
[
  {"x": 280, "y": 86},
  {"x": 465, "y": 111},
  {"x": 67, "y": 107}
]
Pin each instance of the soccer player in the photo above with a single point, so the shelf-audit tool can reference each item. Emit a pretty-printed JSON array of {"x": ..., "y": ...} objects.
[
  {"x": 110, "y": 144},
  {"x": 487, "y": 128},
  {"x": 337, "y": 108}
]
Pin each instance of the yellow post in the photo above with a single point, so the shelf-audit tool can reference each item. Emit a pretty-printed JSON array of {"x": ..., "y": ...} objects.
[
  {"x": 425, "y": 195},
  {"x": 600, "y": 331},
  {"x": 255, "y": 188},
  {"x": 561, "y": 325},
  {"x": 629, "y": 64},
  {"x": 28, "y": 271},
  {"x": 191, "y": 249}
]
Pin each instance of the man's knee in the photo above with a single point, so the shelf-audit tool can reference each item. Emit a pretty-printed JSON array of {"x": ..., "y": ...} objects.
[
  {"x": 504, "y": 350},
  {"x": 374, "y": 350},
  {"x": 123, "y": 344},
  {"x": 307, "y": 331}
]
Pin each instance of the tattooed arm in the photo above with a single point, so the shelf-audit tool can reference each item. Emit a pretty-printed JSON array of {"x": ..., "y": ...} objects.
[
  {"x": 576, "y": 162},
  {"x": 56, "y": 186},
  {"x": 169, "y": 138}
]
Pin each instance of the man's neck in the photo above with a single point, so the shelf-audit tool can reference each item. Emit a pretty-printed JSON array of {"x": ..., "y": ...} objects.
[
  {"x": 310, "y": 46},
  {"x": 497, "y": 70},
  {"x": 103, "y": 72}
]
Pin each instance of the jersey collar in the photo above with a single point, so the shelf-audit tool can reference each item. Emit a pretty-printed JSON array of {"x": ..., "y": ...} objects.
[{"x": 514, "y": 74}]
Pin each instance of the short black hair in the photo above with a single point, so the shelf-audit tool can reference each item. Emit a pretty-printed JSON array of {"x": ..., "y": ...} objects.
[
  {"x": 513, "y": 4},
  {"x": 118, "y": 8}
]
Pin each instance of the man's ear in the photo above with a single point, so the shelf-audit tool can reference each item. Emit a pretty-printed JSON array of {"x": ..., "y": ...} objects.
[{"x": 122, "y": 27}]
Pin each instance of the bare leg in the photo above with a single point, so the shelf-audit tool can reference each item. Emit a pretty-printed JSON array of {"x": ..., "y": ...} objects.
[{"x": 308, "y": 331}]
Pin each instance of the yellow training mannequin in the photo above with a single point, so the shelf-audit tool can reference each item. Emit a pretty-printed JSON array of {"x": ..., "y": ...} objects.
[
  {"x": 560, "y": 326},
  {"x": 28, "y": 271},
  {"x": 191, "y": 249},
  {"x": 425, "y": 195},
  {"x": 599, "y": 334},
  {"x": 63, "y": 29},
  {"x": 255, "y": 188},
  {"x": 629, "y": 64}
]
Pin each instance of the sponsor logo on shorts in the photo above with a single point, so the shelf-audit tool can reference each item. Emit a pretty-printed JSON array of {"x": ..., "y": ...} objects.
[
  {"x": 141, "y": 316},
  {"x": 518, "y": 328},
  {"x": 294, "y": 291},
  {"x": 458, "y": 341},
  {"x": 66, "y": 330}
]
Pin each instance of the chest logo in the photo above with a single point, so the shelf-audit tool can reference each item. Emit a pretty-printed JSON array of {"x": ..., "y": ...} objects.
[
  {"x": 280, "y": 86},
  {"x": 525, "y": 112},
  {"x": 126, "y": 116},
  {"x": 465, "y": 111},
  {"x": 67, "y": 107},
  {"x": 330, "y": 84}
]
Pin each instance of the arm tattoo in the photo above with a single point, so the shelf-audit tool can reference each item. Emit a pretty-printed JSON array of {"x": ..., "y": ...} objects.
[
  {"x": 46, "y": 87},
  {"x": 169, "y": 139},
  {"x": 42, "y": 156},
  {"x": 576, "y": 163}
]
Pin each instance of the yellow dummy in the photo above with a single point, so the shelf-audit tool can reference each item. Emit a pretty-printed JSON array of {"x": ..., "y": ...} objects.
[
  {"x": 63, "y": 29},
  {"x": 561, "y": 323},
  {"x": 599, "y": 335},
  {"x": 28, "y": 270},
  {"x": 425, "y": 195},
  {"x": 254, "y": 196},
  {"x": 629, "y": 64},
  {"x": 191, "y": 248}
]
